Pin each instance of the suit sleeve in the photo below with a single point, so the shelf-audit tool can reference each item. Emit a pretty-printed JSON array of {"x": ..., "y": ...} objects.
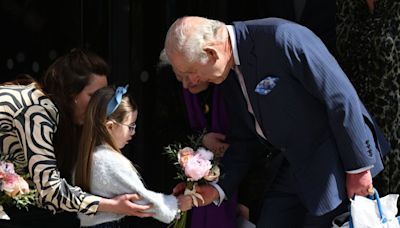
[{"x": 317, "y": 71}]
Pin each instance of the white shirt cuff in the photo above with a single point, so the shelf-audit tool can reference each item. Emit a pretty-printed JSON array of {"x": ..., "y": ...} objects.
[
  {"x": 360, "y": 170},
  {"x": 220, "y": 192}
]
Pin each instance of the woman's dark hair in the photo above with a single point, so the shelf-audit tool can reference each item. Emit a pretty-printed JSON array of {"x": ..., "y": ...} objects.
[
  {"x": 23, "y": 79},
  {"x": 63, "y": 80}
]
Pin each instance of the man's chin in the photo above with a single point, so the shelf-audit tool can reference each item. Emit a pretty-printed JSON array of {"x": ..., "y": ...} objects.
[{"x": 219, "y": 79}]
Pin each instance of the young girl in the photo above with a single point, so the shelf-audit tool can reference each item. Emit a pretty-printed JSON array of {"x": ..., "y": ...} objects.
[{"x": 101, "y": 167}]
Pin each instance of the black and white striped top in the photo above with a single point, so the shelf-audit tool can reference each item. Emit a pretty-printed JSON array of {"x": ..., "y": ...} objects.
[{"x": 28, "y": 121}]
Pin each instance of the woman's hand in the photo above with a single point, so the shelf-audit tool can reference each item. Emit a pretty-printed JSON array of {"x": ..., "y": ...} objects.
[
  {"x": 215, "y": 142},
  {"x": 124, "y": 204}
]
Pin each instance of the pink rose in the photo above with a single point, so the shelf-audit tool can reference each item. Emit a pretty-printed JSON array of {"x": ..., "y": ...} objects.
[
  {"x": 10, "y": 184},
  {"x": 196, "y": 167},
  {"x": 184, "y": 155},
  {"x": 13, "y": 185}
]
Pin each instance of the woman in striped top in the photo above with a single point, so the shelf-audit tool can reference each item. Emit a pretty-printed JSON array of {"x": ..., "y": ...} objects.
[{"x": 40, "y": 128}]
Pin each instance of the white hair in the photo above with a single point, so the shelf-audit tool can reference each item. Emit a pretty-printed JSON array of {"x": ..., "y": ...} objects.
[{"x": 189, "y": 39}]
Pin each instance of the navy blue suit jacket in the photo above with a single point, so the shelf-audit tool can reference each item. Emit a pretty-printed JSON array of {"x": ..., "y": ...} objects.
[{"x": 312, "y": 114}]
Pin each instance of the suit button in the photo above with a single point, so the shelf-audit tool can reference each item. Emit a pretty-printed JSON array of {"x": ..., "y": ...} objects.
[{"x": 283, "y": 149}]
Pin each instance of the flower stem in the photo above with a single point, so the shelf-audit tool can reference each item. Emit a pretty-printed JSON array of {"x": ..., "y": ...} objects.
[{"x": 181, "y": 222}]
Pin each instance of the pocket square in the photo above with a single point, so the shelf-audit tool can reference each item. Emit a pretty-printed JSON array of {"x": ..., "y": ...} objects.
[{"x": 266, "y": 85}]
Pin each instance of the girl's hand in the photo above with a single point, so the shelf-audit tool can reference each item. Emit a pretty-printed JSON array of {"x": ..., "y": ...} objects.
[{"x": 185, "y": 203}]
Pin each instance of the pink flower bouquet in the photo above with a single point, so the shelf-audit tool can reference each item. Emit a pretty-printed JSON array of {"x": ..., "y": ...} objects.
[
  {"x": 194, "y": 167},
  {"x": 11, "y": 183},
  {"x": 13, "y": 187}
]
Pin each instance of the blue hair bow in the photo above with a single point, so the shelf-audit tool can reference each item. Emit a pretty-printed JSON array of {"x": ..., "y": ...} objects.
[{"x": 116, "y": 99}]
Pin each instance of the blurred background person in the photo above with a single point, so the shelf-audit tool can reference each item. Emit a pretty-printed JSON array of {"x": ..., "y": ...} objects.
[{"x": 368, "y": 44}]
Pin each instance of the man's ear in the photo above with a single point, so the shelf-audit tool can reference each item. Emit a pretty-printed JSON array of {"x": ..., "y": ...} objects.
[{"x": 212, "y": 53}]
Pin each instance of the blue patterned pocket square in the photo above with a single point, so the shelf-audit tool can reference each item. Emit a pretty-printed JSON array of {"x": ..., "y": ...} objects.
[{"x": 266, "y": 85}]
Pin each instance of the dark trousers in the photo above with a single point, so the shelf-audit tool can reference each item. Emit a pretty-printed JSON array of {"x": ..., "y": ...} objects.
[{"x": 283, "y": 207}]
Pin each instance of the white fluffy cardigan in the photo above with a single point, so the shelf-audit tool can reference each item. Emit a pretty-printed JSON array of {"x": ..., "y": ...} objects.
[{"x": 113, "y": 175}]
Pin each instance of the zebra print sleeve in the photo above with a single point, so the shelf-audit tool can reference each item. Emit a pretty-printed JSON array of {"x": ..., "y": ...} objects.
[{"x": 36, "y": 125}]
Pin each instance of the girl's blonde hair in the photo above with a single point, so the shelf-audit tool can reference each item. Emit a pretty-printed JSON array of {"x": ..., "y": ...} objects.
[{"x": 95, "y": 133}]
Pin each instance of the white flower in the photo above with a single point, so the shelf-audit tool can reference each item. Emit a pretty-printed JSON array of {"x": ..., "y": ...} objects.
[{"x": 205, "y": 154}]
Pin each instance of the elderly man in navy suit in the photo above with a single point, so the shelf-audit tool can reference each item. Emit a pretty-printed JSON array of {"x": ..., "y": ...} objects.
[{"x": 283, "y": 87}]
